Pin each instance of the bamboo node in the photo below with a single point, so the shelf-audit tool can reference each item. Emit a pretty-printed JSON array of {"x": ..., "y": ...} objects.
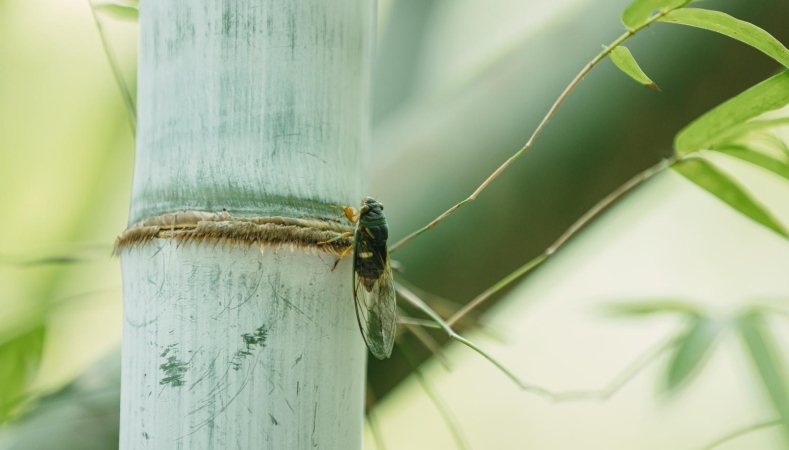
[{"x": 222, "y": 228}]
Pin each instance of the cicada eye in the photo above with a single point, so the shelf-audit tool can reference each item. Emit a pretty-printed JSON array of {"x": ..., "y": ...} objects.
[
  {"x": 382, "y": 206},
  {"x": 364, "y": 209}
]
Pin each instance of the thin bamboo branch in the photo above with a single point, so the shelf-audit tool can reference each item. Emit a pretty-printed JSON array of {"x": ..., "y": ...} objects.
[
  {"x": 439, "y": 304},
  {"x": 416, "y": 322},
  {"x": 605, "y": 393},
  {"x": 375, "y": 430},
  {"x": 452, "y": 424},
  {"x": 537, "y": 131},
  {"x": 429, "y": 343},
  {"x": 128, "y": 99},
  {"x": 742, "y": 432},
  {"x": 579, "y": 224},
  {"x": 372, "y": 420}
]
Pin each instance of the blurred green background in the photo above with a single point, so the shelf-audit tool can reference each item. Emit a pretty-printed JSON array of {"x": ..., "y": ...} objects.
[{"x": 459, "y": 86}]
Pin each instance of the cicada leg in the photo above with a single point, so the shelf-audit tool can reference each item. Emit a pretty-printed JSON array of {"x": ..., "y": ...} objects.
[
  {"x": 347, "y": 234},
  {"x": 349, "y": 212},
  {"x": 342, "y": 255},
  {"x": 352, "y": 215}
]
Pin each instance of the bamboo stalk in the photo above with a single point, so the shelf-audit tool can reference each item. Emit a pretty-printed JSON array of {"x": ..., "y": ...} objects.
[{"x": 258, "y": 108}]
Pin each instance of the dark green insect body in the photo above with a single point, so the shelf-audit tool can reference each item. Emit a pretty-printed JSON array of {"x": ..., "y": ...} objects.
[
  {"x": 373, "y": 287},
  {"x": 371, "y": 255}
]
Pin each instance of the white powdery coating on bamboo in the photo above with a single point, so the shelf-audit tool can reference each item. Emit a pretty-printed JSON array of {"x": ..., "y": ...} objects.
[
  {"x": 257, "y": 106},
  {"x": 235, "y": 348}
]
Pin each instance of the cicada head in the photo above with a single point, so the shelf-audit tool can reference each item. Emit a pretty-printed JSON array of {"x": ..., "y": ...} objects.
[{"x": 370, "y": 204}]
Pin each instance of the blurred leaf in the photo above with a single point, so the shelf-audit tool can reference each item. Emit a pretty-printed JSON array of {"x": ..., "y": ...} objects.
[
  {"x": 82, "y": 415},
  {"x": 712, "y": 127},
  {"x": 623, "y": 59},
  {"x": 717, "y": 183},
  {"x": 650, "y": 307},
  {"x": 15, "y": 261},
  {"x": 734, "y": 28},
  {"x": 760, "y": 159},
  {"x": 771, "y": 141},
  {"x": 692, "y": 352},
  {"x": 639, "y": 12},
  {"x": 19, "y": 359},
  {"x": 744, "y": 129},
  {"x": 118, "y": 10},
  {"x": 766, "y": 357},
  {"x": 461, "y": 442}
]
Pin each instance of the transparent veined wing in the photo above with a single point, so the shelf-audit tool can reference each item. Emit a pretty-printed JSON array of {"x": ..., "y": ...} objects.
[{"x": 374, "y": 297}]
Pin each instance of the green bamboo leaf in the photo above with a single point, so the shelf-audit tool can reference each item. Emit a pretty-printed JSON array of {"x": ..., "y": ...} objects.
[
  {"x": 771, "y": 141},
  {"x": 639, "y": 12},
  {"x": 734, "y": 28},
  {"x": 766, "y": 357},
  {"x": 623, "y": 59},
  {"x": 645, "y": 308},
  {"x": 740, "y": 131},
  {"x": 713, "y": 127},
  {"x": 717, "y": 183},
  {"x": 118, "y": 10},
  {"x": 694, "y": 347},
  {"x": 760, "y": 159},
  {"x": 19, "y": 359}
]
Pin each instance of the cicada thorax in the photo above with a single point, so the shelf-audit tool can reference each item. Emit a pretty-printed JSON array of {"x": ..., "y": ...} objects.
[{"x": 370, "y": 252}]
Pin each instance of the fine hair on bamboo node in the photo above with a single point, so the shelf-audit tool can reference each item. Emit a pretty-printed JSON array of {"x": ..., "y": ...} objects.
[{"x": 223, "y": 229}]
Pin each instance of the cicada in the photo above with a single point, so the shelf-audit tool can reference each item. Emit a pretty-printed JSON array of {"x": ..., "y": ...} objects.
[{"x": 373, "y": 289}]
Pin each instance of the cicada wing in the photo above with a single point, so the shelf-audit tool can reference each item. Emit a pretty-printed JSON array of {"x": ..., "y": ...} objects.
[{"x": 376, "y": 305}]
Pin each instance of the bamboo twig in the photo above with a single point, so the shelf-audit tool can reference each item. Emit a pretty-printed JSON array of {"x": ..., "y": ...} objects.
[
  {"x": 427, "y": 340},
  {"x": 742, "y": 432},
  {"x": 375, "y": 430},
  {"x": 536, "y": 132},
  {"x": 372, "y": 420},
  {"x": 449, "y": 419},
  {"x": 128, "y": 100},
  {"x": 416, "y": 322},
  {"x": 572, "y": 231},
  {"x": 605, "y": 393}
]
